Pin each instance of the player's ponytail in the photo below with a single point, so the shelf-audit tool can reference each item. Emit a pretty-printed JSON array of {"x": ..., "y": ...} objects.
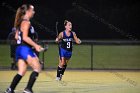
[
  {"x": 65, "y": 22},
  {"x": 19, "y": 14}
]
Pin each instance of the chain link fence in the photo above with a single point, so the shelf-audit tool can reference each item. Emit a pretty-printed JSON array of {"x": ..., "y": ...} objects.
[{"x": 89, "y": 55}]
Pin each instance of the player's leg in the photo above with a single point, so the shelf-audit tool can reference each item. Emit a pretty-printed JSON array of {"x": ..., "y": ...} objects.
[
  {"x": 65, "y": 65},
  {"x": 34, "y": 63},
  {"x": 22, "y": 66},
  {"x": 61, "y": 63},
  {"x": 66, "y": 59},
  {"x": 14, "y": 65},
  {"x": 14, "y": 57},
  {"x": 12, "y": 54},
  {"x": 60, "y": 68}
]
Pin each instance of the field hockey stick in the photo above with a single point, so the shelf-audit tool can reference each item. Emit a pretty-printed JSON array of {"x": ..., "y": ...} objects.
[
  {"x": 56, "y": 29},
  {"x": 44, "y": 49}
]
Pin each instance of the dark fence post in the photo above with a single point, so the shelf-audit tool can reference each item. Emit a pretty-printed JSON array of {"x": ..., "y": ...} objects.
[{"x": 91, "y": 56}]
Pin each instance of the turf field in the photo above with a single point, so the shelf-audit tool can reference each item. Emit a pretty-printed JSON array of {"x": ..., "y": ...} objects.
[
  {"x": 78, "y": 82},
  {"x": 82, "y": 81},
  {"x": 104, "y": 56}
]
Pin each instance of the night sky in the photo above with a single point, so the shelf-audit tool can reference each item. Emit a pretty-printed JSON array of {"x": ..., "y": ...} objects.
[{"x": 92, "y": 19}]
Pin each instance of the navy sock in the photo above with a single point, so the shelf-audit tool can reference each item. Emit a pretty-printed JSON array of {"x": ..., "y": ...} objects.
[
  {"x": 15, "y": 81},
  {"x": 64, "y": 68},
  {"x": 32, "y": 80},
  {"x": 59, "y": 71}
]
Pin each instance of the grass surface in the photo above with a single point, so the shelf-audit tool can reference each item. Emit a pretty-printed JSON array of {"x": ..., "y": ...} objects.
[
  {"x": 104, "y": 56},
  {"x": 123, "y": 57}
]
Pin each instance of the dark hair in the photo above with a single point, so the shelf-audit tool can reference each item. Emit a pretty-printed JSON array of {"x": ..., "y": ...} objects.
[
  {"x": 65, "y": 22},
  {"x": 20, "y": 13}
]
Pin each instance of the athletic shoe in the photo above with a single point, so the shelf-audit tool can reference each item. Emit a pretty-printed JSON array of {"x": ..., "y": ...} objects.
[
  {"x": 9, "y": 91},
  {"x": 27, "y": 91},
  {"x": 59, "y": 78}
]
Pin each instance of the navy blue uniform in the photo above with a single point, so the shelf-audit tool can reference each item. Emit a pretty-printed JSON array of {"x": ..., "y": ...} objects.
[
  {"x": 66, "y": 44},
  {"x": 24, "y": 49}
]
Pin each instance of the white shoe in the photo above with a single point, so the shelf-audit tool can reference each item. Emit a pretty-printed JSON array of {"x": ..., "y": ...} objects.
[
  {"x": 9, "y": 91},
  {"x": 58, "y": 79},
  {"x": 27, "y": 91}
]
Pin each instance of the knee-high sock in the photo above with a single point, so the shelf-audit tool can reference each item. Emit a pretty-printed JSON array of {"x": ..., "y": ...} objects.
[
  {"x": 32, "y": 80},
  {"x": 59, "y": 71},
  {"x": 15, "y": 81},
  {"x": 64, "y": 68}
]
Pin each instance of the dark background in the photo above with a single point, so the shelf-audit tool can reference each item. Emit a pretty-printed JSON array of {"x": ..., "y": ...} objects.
[{"x": 92, "y": 19}]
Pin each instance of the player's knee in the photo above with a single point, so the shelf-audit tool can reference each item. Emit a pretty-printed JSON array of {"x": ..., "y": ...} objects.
[
  {"x": 62, "y": 64},
  {"x": 37, "y": 68},
  {"x": 22, "y": 73}
]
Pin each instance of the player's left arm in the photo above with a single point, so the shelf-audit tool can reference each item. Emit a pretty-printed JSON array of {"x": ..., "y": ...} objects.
[
  {"x": 36, "y": 36},
  {"x": 77, "y": 40}
]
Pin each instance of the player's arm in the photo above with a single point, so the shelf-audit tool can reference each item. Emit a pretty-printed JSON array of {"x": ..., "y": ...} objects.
[
  {"x": 25, "y": 25},
  {"x": 59, "y": 37},
  {"x": 77, "y": 40},
  {"x": 16, "y": 35},
  {"x": 35, "y": 36}
]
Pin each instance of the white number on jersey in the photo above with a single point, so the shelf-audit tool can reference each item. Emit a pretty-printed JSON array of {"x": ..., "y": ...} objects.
[
  {"x": 19, "y": 38},
  {"x": 68, "y": 44}
]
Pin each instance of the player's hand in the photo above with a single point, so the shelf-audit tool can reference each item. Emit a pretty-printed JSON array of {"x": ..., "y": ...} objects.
[
  {"x": 38, "y": 48},
  {"x": 79, "y": 41},
  {"x": 57, "y": 40}
]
